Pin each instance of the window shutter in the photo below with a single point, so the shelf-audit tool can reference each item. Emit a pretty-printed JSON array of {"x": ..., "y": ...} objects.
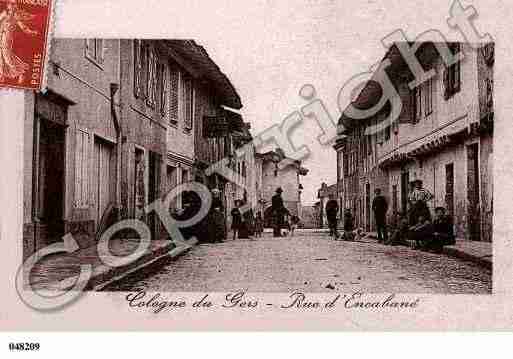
[
  {"x": 151, "y": 79},
  {"x": 81, "y": 169},
  {"x": 413, "y": 106},
  {"x": 88, "y": 46},
  {"x": 137, "y": 68},
  {"x": 457, "y": 77},
  {"x": 99, "y": 50},
  {"x": 144, "y": 71},
  {"x": 188, "y": 102},
  {"x": 163, "y": 90},
  {"x": 446, "y": 83},
  {"x": 174, "y": 78}
]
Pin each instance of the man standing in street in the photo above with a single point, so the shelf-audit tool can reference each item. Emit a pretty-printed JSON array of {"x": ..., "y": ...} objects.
[
  {"x": 278, "y": 212},
  {"x": 331, "y": 216},
  {"x": 380, "y": 207}
]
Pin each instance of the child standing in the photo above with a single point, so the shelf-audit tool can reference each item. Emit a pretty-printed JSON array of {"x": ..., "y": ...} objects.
[{"x": 259, "y": 225}]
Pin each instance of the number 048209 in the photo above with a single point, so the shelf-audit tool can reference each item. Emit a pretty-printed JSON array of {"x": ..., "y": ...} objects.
[{"x": 24, "y": 346}]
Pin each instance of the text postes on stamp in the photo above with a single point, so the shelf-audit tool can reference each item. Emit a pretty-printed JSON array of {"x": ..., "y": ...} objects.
[{"x": 24, "y": 28}]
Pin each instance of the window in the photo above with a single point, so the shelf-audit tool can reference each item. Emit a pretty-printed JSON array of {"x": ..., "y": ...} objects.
[
  {"x": 188, "y": 101},
  {"x": 452, "y": 76},
  {"x": 174, "y": 84},
  {"x": 152, "y": 79},
  {"x": 144, "y": 70},
  {"x": 428, "y": 96},
  {"x": 162, "y": 85},
  {"x": 417, "y": 104},
  {"x": 346, "y": 164},
  {"x": 137, "y": 68},
  {"x": 149, "y": 76},
  {"x": 81, "y": 170},
  {"x": 94, "y": 50}
]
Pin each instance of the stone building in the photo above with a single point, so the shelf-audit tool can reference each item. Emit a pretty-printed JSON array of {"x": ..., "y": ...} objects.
[
  {"x": 275, "y": 170},
  {"x": 119, "y": 126},
  {"x": 443, "y": 136},
  {"x": 72, "y": 145}
]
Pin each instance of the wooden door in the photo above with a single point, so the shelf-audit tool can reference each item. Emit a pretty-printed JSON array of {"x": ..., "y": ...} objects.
[
  {"x": 405, "y": 187},
  {"x": 104, "y": 178}
]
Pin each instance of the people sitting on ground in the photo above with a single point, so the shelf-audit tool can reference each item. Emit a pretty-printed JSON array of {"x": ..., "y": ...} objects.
[
  {"x": 420, "y": 232},
  {"x": 294, "y": 223},
  {"x": 331, "y": 215},
  {"x": 399, "y": 229},
  {"x": 442, "y": 232},
  {"x": 259, "y": 225},
  {"x": 348, "y": 225}
]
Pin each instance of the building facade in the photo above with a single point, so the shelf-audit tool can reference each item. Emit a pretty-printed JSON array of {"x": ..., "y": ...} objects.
[
  {"x": 72, "y": 147},
  {"x": 443, "y": 137},
  {"x": 117, "y": 128},
  {"x": 275, "y": 170}
]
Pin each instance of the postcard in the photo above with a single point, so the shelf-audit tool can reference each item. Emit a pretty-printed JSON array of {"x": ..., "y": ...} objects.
[{"x": 255, "y": 166}]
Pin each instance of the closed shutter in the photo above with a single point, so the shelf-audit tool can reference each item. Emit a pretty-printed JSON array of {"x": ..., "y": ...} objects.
[
  {"x": 82, "y": 170},
  {"x": 163, "y": 85},
  {"x": 137, "y": 68},
  {"x": 144, "y": 71},
  {"x": 446, "y": 84},
  {"x": 188, "y": 102},
  {"x": 174, "y": 78}
]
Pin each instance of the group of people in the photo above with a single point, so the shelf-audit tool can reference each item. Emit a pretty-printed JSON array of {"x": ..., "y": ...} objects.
[
  {"x": 245, "y": 225},
  {"x": 332, "y": 210},
  {"x": 281, "y": 216},
  {"x": 416, "y": 227},
  {"x": 212, "y": 228}
]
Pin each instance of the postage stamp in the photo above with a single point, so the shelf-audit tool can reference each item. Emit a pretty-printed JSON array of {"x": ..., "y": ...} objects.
[{"x": 24, "y": 34}]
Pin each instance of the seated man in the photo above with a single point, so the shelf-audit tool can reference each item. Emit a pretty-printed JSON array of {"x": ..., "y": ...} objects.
[
  {"x": 443, "y": 234},
  {"x": 400, "y": 229},
  {"x": 420, "y": 233},
  {"x": 348, "y": 225}
]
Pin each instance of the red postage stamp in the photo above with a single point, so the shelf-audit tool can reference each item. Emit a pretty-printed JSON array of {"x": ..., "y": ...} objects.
[{"x": 24, "y": 36}]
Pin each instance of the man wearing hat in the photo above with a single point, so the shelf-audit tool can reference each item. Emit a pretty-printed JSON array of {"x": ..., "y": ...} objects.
[{"x": 278, "y": 212}]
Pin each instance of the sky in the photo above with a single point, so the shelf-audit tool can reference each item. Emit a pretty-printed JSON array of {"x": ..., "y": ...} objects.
[{"x": 270, "y": 49}]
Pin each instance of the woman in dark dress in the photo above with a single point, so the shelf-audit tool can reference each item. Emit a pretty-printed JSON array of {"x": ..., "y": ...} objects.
[{"x": 236, "y": 220}]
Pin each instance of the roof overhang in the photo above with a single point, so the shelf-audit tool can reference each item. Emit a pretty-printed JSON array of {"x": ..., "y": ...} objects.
[
  {"x": 203, "y": 68},
  {"x": 397, "y": 71}
]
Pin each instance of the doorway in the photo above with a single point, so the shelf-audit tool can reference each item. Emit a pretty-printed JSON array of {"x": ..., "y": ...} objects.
[
  {"x": 405, "y": 187},
  {"x": 474, "y": 217},
  {"x": 155, "y": 160},
  {"x": 367, "y": 208},
  {"x": 50, "y": 180},
  {"x": 104, "y": 179}
]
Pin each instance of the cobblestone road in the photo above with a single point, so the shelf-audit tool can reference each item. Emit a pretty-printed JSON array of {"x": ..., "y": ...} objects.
[{"x": 311, "y": 263}]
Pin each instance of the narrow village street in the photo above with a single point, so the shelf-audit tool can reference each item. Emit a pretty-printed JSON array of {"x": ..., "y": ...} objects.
[{"x": 310, "y": 262}]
